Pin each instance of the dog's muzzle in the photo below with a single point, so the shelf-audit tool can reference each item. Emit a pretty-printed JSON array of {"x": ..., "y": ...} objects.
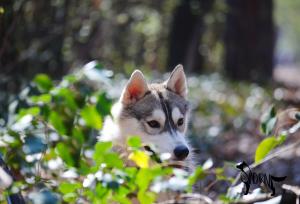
[{"x": 181, "y": 152}]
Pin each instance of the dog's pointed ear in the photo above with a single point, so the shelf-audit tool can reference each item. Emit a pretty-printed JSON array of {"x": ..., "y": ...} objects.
[
  {"x": 177, "y": 81},
  {"x": 135, "y": 89}
]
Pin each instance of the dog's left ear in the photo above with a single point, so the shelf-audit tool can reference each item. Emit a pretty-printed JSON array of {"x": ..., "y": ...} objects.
[
  {"x": 177, "y": 81},
  {"x": 135, "y": 89}
]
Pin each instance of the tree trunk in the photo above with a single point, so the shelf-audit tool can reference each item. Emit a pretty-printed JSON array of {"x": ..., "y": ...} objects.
[
  {"x": 185, "y": 35},
  {"x": 249, "y": 40}
]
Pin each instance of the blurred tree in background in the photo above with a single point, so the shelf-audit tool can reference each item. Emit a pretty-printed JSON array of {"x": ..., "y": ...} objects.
[
  {"x": 249, "y": 40},
  {"x": 234, "y": 37},
  {"x": 186, "y": 33}
]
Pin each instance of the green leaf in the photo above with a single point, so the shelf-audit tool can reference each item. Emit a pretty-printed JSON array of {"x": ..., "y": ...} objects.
[
  {"x": 91, "y": 117},
  {"x": 70, "y": 79},
  {"x": 265, "y": 147},
  {"x": 78, "y": 135},
  {"x": 84, "y": 167},
  {"x": 270, "y": 125},
  {"x": 43, "y": 82},
  {"x": 134, "y": 142},
  {"x": 41, "y": 99},
  {"x": 113, "y": 160},
  {"x": 143, "y": 178},
  {"x": 268, "y": 121},
  {"x": 57, "y": 122},
  {"x": 121, "y": 199},
  {"x": 146, "y": 197},
  {"x": 67, "y": 187},
  {"x": 66, "y": 96},
  {"x": 63, "y": 152},
  {"x": 281, "y": 139},
  {"x": 114, "y": 185},
  {"x": 103, "y": 104},
  {"x": 199, "y": 173},
  {"x": 33, "y": 111},
  {"x": 101, "y": 191},
  {"x": 70, "y": 197},
  {"x": 101, "y": 148}
]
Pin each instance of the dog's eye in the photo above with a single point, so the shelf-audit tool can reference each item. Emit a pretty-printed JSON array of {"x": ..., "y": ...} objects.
[
  {"x": 153, "y": 124},
  {"x": 180, "y": 122}
]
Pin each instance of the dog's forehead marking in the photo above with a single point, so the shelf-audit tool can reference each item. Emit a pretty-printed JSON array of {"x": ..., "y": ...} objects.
[
  {"x": 172, "y": 98},
  {"x": 157, "y": 98},
  {"x": 177, "y": 101},
  {"x": 176, "y": 114},
  {"x": 159, "y": 115},
  {"x": 169, "y": 124},
  {"x": 155, "y": 94}
]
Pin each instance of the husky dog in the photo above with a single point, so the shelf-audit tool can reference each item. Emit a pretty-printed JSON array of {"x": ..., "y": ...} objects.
[{"x": 157, "y": 113}]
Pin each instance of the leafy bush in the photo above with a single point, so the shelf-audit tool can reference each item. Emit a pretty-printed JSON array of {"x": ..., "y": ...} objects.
[{"x": 49, "y": 141}]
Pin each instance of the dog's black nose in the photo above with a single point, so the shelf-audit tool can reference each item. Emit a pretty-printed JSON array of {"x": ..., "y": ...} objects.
[{"x": 181, "y": 152}]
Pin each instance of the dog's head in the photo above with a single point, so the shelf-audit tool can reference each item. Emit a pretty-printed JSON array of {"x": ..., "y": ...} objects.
[{"x": 158, "y": 113}]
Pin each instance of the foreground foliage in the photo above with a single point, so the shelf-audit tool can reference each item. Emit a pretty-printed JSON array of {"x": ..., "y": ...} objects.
[{"x": 50, "y": 142}]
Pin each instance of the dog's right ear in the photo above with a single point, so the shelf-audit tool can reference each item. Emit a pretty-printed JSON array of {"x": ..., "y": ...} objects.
[
  {"x": 135, "y": 89},
  {"x": 177, "y": 81}
]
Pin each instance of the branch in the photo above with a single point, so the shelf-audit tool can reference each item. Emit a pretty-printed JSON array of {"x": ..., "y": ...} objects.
[
  {"x": 254, "y": 198},
  {"x": 294, "y": 189},
  {"x": 273, "y": 155},
  {"x": 202, "y": 199}
]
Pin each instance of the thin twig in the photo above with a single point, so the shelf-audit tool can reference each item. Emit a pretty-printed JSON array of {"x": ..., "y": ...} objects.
[
  {"x": 294, "y": 189},
  {"x": 210, "y": 185},
  {"x": 189, "y": 196},
  {"x": 257, "y": 198},
  {"x": 39, "y": 163}
]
